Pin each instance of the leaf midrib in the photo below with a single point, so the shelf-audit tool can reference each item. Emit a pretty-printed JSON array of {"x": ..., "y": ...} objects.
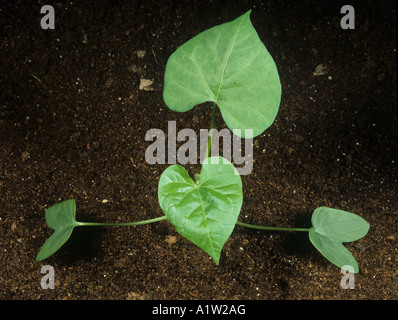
[
  {"x": 226, "y": 62},
  {"x": 205, "y": 219}
]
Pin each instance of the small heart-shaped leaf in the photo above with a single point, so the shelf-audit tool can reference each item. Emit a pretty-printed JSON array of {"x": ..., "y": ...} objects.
[
  {"x": 332, "y": 227},
  {"x": 229, "y": 65},
  {"x": 204, "y": 212},
  {"x": 62, "y": 219}
]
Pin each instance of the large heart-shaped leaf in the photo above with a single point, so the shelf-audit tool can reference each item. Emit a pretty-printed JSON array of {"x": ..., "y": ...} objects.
[
  {"x": 62, "y": 219},
  {"x": 204, "y": 211},
  {"x": 332, "y": 227},
  {"x": 229, "y": 65}
]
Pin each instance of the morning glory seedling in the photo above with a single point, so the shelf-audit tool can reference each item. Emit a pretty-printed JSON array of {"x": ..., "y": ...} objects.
[{"x": 230, "y": 67}]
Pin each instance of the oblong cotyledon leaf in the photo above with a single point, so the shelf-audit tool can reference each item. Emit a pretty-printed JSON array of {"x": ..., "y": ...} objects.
[
  {"x": 229, "y": 65},
  {"x": 204, "y": 211},
  {"x": 339, "y": 225},
  {"x": 332, "y": 227},
  {"x": 334, "y": 251},
  {"x": 62, "y": 219}
]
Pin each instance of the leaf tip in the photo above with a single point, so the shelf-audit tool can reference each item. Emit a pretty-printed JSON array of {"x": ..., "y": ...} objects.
[
  {"x": 216, "y": 260},
  {"x": 38, "y": 259},
  {"x": 40, "y": 256}
]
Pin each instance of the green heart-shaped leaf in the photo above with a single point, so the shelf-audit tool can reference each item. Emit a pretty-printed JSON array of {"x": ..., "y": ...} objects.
[
  {"x": 60, "y": 218},
  {"x": 332, "y": 227},
  {"x": 204, "y": 212},
  {"x": 229, "y": 65}
]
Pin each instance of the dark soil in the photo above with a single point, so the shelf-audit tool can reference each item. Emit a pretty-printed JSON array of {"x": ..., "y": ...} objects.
[{"x": 73, "y": 124}]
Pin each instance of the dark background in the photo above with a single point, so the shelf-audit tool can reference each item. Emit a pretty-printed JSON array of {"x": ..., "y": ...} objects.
[{"x": 73, "y": 122}]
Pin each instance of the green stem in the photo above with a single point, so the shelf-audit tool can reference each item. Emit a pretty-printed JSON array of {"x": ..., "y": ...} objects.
[
  {"x": 213, "y": 113},
  {"x": 126, "y": 224},
  {"x": 253, "y": 226},
  {"x": 129, "y": 224}
]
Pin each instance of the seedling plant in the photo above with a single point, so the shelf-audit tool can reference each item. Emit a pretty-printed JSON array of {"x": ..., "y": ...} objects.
[{"x": 230, "y": 67}]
